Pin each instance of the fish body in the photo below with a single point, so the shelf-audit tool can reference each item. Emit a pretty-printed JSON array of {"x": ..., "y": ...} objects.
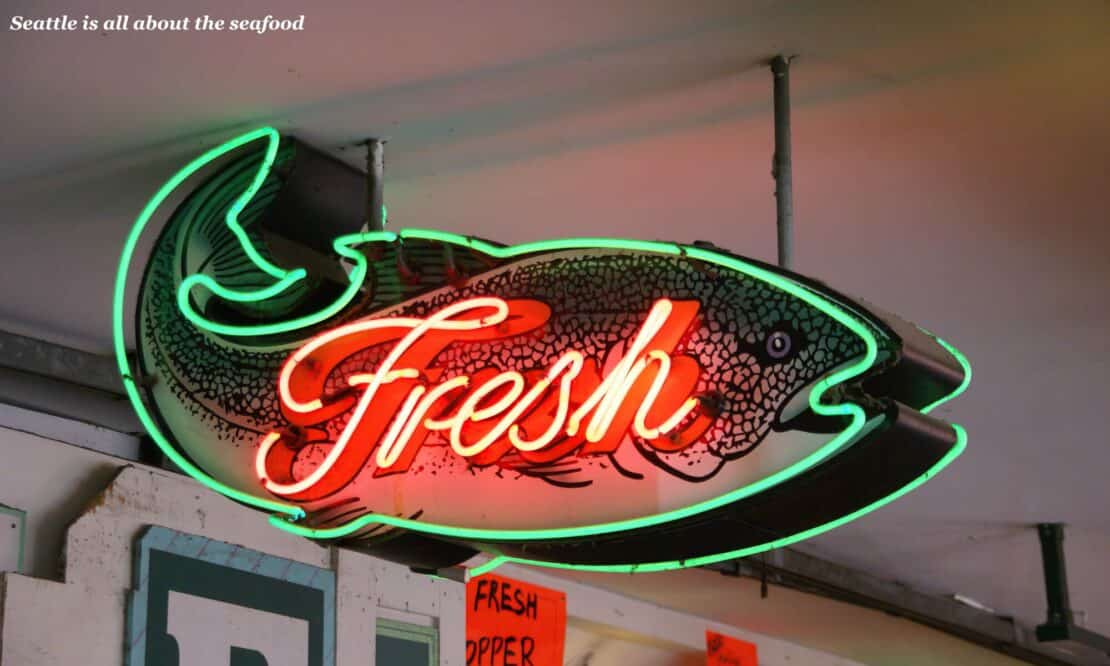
[{"x": 702, "y": 383}]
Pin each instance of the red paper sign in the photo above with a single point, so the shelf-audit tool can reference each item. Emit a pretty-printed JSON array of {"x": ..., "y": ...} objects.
[
  {"x": 721, "y": 650},
  {"x": 512, "y": 623}
]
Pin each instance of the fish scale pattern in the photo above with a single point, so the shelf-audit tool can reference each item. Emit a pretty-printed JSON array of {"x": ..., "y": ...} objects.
[{"x": 598, "y": 298}]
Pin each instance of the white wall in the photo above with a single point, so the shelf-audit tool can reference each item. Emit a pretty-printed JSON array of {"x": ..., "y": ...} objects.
[
  {"x": 90, "y": 508},
  {"x": 78, "y": 616}
]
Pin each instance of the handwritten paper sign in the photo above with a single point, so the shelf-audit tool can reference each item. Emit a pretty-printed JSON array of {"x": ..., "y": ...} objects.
[
  {"x": 721, "y": 650},
  {"x": 512, "y": 623}
]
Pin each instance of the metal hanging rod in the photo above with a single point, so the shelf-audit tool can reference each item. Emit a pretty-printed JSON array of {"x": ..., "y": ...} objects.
[
  {"x": 375, "y": 184},
  {"x": 781, "y": 165}
]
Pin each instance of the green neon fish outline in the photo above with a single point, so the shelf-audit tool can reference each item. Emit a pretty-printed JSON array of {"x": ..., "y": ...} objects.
[{"x": 287, "y": 515}]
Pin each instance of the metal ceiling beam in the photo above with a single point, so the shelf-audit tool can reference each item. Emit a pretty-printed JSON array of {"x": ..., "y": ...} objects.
[
  {"x": 68, "y": 395},
  {"x": 793, "y": 569},
  {"x": 57, "y": 362}
]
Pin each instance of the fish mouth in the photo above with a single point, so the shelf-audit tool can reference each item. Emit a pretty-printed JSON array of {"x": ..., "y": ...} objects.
[
  {"x": 797, "y": 414},
  {"x": 914, "y": 371}
]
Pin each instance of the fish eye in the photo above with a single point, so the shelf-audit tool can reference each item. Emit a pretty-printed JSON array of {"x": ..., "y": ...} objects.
[{"x": 779, "y": 345}]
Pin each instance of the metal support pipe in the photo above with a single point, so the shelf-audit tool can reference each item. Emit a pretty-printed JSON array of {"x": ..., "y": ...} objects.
[
  {"x": 1060, "y": 625},
  {"x": 781, "y": 166},
  {"x": 1055, "y": 573},
  {"x": 375, "y": 184}
]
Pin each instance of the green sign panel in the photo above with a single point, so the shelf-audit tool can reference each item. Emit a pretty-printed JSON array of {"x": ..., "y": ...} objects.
[{"x": 200, "y": 602}]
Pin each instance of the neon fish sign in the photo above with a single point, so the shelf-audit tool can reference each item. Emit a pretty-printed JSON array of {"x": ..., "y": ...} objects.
[{"x": 595, "y": 391}]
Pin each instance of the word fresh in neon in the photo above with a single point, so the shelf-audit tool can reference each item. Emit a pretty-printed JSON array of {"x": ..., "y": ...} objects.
[{"x": 541, "y": 413}]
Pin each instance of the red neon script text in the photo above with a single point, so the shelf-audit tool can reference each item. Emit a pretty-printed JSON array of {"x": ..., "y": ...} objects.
[{"x": 542, "y": 414}]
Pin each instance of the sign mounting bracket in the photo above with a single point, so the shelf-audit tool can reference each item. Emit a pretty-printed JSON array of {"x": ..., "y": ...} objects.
[{"x": 1060, "y": 624}]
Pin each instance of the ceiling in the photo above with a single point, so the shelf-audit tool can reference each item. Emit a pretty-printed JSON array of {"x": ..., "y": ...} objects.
[{"x": 950, "y": 164}]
